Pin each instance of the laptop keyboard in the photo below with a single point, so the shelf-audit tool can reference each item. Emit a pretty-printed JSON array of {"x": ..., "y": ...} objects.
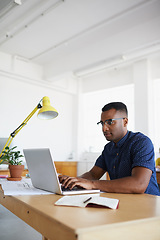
[{"x": 73, "y": 189}]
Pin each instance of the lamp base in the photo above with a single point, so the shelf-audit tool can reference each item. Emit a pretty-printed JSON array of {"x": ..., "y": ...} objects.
[{"x": 14, "y": 179}]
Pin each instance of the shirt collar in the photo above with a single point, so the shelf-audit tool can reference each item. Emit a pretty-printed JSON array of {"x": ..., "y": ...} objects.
[{"x": 120, "y": 143}]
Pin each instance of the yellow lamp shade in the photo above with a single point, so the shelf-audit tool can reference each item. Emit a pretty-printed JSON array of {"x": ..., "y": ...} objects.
[{"x": 47, "y": 111}]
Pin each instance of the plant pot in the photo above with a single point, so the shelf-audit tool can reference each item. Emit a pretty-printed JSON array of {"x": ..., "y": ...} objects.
[{"x": 15, "y": 172}]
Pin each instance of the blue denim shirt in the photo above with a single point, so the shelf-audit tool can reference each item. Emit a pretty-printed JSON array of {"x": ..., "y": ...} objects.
[{"x": 134, "y": 149}]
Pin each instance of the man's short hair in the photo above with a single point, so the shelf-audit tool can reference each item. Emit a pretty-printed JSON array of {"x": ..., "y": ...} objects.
[{"x": 119, "y": 106}]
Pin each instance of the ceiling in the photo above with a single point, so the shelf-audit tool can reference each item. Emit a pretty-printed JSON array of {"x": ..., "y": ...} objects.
[{"x": 77, "y": 35}]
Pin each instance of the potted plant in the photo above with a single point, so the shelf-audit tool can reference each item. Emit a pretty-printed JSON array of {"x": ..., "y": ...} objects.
[{"x": 13, "y": 158}]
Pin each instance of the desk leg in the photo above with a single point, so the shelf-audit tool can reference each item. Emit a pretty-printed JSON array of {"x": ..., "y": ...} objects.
[{"x": 44, "y": 238}]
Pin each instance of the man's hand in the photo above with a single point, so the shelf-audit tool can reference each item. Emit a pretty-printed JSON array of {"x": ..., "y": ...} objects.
[
  {"x": 136, "y": 183},
  {"x": 71, "y": 182}
]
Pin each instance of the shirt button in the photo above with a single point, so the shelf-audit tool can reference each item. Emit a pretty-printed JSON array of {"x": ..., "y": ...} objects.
[
  {"x": 114, "y": 167},
  {"x": 117, "y": 154}
]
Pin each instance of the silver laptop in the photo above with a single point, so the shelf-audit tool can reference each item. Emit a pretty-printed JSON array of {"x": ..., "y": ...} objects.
[{"x": 43, "y": 172}]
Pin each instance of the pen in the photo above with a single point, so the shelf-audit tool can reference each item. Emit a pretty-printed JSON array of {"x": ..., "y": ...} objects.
[{"x": 87, "y": 200}]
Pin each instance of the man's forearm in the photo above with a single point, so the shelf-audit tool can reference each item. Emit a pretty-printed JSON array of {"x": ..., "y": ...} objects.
[
  {"x": 136, "y": 183},
  {"x": 94, "y": 174},
  {"x": 87, "y": 175},
  {"x": 123, "y": 185}
]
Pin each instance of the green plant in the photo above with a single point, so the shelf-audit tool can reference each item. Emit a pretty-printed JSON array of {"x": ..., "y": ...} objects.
[{"x": 11, "y": 157}]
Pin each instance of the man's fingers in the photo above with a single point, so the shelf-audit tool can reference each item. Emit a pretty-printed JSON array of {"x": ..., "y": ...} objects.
[{"x": 69, "y": 182}]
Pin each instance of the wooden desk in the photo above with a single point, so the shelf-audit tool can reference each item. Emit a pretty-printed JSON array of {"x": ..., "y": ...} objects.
[
  {"x": 64, "y": 167},
  {"x": 158, "y": 175},
  {"x": 6, "y": 172},
  {"x": 138, "y": 217}
]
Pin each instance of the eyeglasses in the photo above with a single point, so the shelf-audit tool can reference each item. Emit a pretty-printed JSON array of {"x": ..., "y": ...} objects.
[{"x": 109, "y": 121}]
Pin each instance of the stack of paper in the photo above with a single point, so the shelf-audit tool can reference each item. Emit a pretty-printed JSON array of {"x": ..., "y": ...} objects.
[
  {"x": 3, "y": 176},
  {"x": 23, "y": 187}
]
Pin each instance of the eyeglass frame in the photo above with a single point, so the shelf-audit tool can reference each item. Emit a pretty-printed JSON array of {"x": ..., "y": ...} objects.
[{"x": 106, "y": 122}]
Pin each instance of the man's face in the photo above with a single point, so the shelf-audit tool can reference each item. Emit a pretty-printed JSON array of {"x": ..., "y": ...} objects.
[{"x": 118, "y": 128}]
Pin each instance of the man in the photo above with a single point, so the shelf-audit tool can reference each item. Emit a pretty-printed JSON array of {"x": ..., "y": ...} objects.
[{"x": 128, "y": 158}]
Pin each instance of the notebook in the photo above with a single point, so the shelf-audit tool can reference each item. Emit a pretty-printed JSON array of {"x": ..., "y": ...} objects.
[{"x": 43, "y": 172}]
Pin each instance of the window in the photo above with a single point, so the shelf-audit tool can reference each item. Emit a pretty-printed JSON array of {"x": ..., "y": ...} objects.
[
  {"x": 156, "y": 110},
  {"x": 94, "y": 140}
]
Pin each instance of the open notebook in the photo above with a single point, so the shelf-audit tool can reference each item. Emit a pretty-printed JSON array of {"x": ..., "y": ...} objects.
[{"x": 43, "y": 172}]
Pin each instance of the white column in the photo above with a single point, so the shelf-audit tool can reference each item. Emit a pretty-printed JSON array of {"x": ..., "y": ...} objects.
[
  {"x": 78, "y": 140},
  {"x": 143, "y": 98}
]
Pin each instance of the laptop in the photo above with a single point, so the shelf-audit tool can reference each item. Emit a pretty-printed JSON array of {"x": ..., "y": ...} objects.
[{"x": 44, "y": 175}]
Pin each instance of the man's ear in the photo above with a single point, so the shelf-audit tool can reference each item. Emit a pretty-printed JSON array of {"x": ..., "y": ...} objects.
[{"x": 125, "y": 122}]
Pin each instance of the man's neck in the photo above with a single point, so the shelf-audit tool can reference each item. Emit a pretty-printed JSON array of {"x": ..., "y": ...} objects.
[{"x": 120, "y": 138}]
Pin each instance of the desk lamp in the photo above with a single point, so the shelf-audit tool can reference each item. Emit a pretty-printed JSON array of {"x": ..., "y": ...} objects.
[{"x": 46, "y": 112}]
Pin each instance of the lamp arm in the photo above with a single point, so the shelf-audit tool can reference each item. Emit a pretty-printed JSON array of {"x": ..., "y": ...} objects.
[{"x": 16, "y": 131}]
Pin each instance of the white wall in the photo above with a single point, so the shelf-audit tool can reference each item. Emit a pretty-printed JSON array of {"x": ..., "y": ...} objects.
[
  {"x": 108, "y": 79},
  {"x": 19, "y": 95},
  {"x": 22, "y": 88},
  {"x": 141, "y": 74}
]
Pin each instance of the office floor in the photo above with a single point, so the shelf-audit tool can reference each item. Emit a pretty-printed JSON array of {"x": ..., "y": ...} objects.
[{"x": 13, "y": 228}]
